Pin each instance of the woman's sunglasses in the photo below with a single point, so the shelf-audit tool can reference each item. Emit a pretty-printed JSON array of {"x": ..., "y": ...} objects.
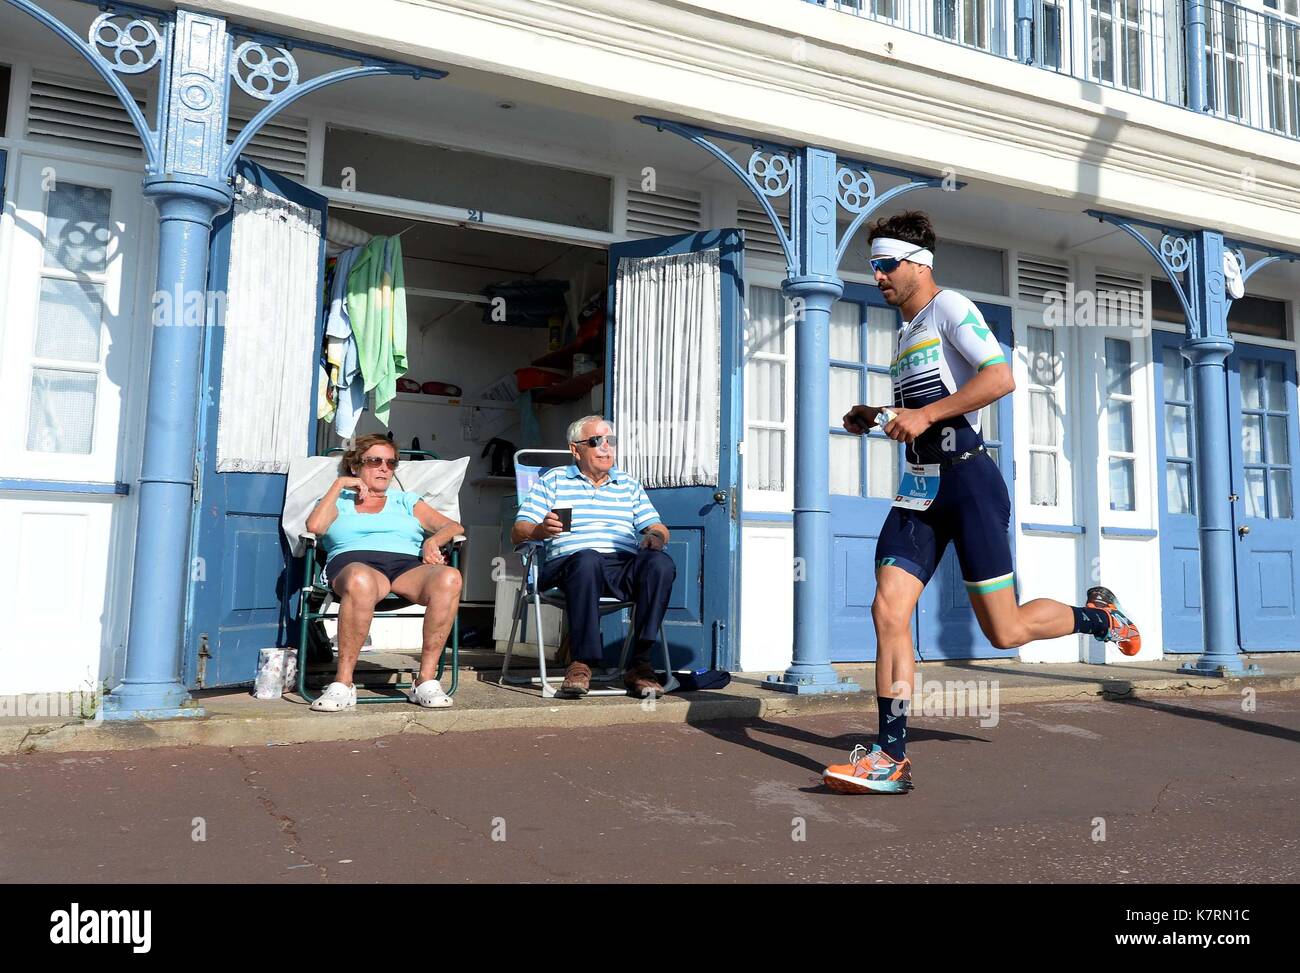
[
  {"x": 887, "y": 265},
  {"x": 374, "y": 462},
  {"x": 593, "y": 442}
]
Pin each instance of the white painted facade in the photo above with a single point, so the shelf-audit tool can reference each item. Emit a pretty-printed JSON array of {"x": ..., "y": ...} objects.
[{"x": 1036, "y": 149}]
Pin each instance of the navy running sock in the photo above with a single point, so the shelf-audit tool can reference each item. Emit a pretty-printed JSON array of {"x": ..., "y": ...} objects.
[
  {"x": 1091, "y": 621},
  {"x": 893, "y": 725}
]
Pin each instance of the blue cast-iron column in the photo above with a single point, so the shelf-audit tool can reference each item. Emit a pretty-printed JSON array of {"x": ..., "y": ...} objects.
[
  {"x": 189, "y": 193},
  {"x": 1207, "y": 347},
  {"x": 812, "y": 288},
  {"x": 1194, "y": 53},
  {"x": 819, "y": 185},
  {"x": 152, "y": 687},
  {"x": 1194, "y": 264}
]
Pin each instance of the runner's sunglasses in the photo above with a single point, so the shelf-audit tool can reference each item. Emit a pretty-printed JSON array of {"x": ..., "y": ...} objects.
[
  {"x": 594, "y": 442},
  {"x": 887, "y": 265}
]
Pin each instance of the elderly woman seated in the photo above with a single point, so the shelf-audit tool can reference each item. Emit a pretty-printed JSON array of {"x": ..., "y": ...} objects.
[{"x": 379, "y": 540}]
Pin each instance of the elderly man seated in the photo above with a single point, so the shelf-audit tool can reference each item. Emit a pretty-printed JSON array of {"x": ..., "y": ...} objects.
[{"x": 613, "y": 547}]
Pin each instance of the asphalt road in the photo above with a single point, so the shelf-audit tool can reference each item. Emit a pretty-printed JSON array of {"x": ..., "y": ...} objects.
[{"x": 1172, "y": 790}]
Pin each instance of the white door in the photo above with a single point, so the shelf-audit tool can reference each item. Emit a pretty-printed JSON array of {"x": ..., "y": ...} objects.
[{"x": 70, "y": 339}]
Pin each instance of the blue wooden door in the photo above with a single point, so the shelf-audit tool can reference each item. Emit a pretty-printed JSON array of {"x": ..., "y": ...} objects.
[
  {"x": 701, "y": 624},
  {"x": 1180, "y": 552},
  {"x": 1262, "y": 439},
  {"x": 946, "y": 627},
  {"x": 863, "y": 469},
  {"x": 242, "y": 582}
]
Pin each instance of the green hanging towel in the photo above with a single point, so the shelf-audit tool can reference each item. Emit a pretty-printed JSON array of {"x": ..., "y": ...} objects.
[{"x": 377, "y": 308}]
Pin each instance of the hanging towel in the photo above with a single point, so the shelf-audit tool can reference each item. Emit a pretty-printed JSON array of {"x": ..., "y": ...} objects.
[
  {"x": 377, "y": 308},
  {"x": 341, "y": 351},
  {"x": 324, "y": 407}
]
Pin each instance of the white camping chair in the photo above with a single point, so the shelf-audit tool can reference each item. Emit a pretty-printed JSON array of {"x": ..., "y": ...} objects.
[
  {"x": 438, "y": 481},
  {"x": 534, "y": 554}
]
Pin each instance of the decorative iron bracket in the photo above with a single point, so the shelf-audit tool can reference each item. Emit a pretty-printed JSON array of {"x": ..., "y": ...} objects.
[
  {"x": 196, "y": 56},
  {"x": 1174, "y": 255},
  {"x": 776, "y": 169}
]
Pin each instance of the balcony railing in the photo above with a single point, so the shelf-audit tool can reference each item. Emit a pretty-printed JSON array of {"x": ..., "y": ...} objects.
[{"x": 1249, "y": 70}]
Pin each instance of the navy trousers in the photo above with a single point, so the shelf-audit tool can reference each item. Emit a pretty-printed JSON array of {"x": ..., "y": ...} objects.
[{"x": 645, "y": 578}]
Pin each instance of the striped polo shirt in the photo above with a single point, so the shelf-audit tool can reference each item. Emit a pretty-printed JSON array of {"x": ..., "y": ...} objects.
[{"x": 606, "y": 518}]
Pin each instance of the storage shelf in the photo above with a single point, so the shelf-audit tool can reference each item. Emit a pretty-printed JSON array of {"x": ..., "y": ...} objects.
[
  {"x": 456, "y": 400},
  {"x": 570, "y": 390},
  {"x": 563, "y": 357}
]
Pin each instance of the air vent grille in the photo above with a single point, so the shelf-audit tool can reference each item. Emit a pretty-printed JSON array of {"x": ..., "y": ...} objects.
[
  {"x": 80, "y": 111},
  {"x": 663, "y": 212},
  {"x": 1038, "y": 276},
  {"x": 280, "y": 145},
  {"x": 760, "y": 237}
]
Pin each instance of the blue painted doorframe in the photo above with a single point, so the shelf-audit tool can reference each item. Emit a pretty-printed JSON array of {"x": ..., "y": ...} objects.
[
  {"x": 856, "y": 519},
  {"x": 1197, "y": 263},
  {"x": 944, "y": 626},
  {"x": 702, "y": 624},
  {"x": 1266, "y": 549},
  {"x": 1180, "y": 552},
  {"x": 240, "y": 600},
  {"x": 1262, "y": 419}
]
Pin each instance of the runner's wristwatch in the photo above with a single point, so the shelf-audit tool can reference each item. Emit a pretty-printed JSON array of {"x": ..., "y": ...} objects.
[{"x": 884, "y": 417}]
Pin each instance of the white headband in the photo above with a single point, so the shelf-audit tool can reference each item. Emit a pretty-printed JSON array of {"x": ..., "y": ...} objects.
[{"x": 889, "y": 247}]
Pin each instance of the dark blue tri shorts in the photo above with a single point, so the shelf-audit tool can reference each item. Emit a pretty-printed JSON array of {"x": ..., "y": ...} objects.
[{"x": 973, "y": 511}]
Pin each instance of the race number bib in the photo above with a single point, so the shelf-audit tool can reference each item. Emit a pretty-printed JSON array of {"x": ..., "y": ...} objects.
[{"x": 918, "y": 487}]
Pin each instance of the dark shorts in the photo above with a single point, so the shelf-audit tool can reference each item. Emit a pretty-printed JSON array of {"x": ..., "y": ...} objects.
[
  {"x": 391, "y": 566},
  {"x": 973, "y": 511}
]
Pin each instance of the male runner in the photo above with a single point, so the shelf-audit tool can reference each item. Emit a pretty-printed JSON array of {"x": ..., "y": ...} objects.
[{"x": 948, "y": 365}]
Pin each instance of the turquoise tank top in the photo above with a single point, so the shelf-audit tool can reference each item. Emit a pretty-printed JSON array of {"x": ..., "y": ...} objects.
[{"x": 395, "y": 529}]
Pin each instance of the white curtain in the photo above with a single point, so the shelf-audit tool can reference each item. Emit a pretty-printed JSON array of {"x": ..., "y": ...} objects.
[
  {"x": 766, "y": 366},
  {"x": 667, "y": 350},
  {"x": 272, "y": 300}
]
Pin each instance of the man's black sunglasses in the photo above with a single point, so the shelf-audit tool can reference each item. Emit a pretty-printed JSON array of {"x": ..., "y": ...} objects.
[{"x": 592, "y": 442}]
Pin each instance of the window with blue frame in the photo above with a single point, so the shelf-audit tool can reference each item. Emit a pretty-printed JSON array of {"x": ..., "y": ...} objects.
[
  {"x": 1265, "y": 453},
  {"x": 862, "y": 345}
]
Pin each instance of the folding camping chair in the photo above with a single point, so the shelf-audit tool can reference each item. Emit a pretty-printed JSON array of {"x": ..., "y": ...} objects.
[
  {"x": 309, "y": 479},
  {"x": 534, "y": 554}
]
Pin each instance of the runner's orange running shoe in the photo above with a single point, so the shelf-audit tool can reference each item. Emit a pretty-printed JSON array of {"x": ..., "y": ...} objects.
[
  {"x": 1122, "y": 630},
  {"x": 869, "y": 771}
]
